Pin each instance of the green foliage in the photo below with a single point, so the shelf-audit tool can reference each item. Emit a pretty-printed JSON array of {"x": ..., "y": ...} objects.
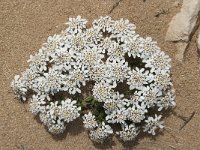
[{"x": 90, "y": 103}]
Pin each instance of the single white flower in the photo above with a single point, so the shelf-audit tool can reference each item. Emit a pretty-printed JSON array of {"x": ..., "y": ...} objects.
[
  {"x": 100, "y": 134},
  {"x": 123, "y": 30},
  {"x": 57, "y": 128},
  {"x": 134, "y": 98},
  {"x": 69, "y": 84},
  {"x": 53, "y": 81},
  {"x": 118, "y": 69},
  {"x": 152, "y": 124},
  {"x": 98, "y": 72},
  {"x": 89, "y": 121},
  {"x": 159, "y": 62},
  {"x": 149, "y": 47},
  {"x": 93, "y": 36},
  {"x": 162, "y": 80},
  {"x": 136, "y": 113},
  {"x": 19, "y": 87},
  {"x": 69, "y": 111},
  {"x": 38, "y": 62},
  {"x": 63, "y": 59},
  {"x": 134, "y": 47},
  {"x": 166, "y": 101},
  {"x": 77, "y": 42},
  {"x": 46, "y": 119},
  {"x": 29, "y": 76},
  {"x": 76, "y": 24},
  {"x": 101, "y": 91},
  {"x": 91, "y": 56},
  {"x": 106, "y": 44},
  {"x": 117, "y": 50},
  {"x": 150, "y": 96},
  {"x": 52, "y": 44},
  {"x": 39, "y": 85},
  {"x": 137, "y": 78},
  {"x": 117, "y": 116},
  {"x": 128, "y": 133},
  {"x": 37, "y": 104},
  {"x": 115, "y": 102},
  {"x": 103, "y": 23},
  {"x": 54, "y": 110}
]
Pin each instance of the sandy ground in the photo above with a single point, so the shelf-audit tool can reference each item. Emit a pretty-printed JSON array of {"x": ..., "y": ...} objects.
[{"x": 26, "y": 24}]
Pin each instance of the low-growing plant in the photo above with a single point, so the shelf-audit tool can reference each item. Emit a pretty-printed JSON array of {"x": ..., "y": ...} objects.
[{"x": 107, "y": 74}]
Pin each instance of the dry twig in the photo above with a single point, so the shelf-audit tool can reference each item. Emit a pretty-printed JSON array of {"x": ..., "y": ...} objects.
[{"x": 114, "y": 6}]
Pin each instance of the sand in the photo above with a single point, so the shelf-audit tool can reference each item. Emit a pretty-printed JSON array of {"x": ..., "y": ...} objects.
[{"x": 25, "y": 25}]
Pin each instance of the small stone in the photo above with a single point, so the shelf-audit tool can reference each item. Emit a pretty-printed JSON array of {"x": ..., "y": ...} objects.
[
  {"x": 181, "y": 47},
  {"x": 198, "y": 42},
  {"x": 177, "y": 3},
  {"x": 161, "y": 12},
  {"x": 185, "y": 22}
]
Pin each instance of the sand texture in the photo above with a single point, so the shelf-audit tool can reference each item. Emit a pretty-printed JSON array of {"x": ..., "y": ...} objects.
[{"x": 26, "y": 24}]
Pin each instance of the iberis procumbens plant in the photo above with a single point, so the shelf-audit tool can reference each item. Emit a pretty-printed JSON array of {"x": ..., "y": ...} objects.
[{"x": 107, "y": 75}]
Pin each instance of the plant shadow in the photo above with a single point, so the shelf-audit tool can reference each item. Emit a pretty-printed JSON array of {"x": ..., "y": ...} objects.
[
  {"x": 109, "y": 143},
  {"x": 132, "y": 144},
  {"x": 73, "y": 128}
]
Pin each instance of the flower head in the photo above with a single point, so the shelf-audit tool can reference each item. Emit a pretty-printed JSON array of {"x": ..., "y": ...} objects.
[
  {"x": 76, "y": 24},
  {"x": 128, "y": 133},
  {"x": 152, "y": 124},
  {"x": 89, "y": 121},
  {"x": 101, "y": 133}
]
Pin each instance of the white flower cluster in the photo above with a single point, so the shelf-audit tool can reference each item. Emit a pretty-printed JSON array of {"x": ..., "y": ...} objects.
[{"x": 110, "y": 54}]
